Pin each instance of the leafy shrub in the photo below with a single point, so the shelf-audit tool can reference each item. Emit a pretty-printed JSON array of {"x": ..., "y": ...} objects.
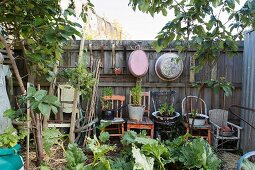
[{"x": 75, "y": 157}]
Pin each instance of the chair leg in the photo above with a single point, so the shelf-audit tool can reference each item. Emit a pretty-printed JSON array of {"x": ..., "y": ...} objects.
[
  {"x": 216, "y": 144},
  {"x": 209, "y": 136},
  {"x": 238, "y": 143},
  {"x": 122, "y": 129},
  {"x": 152, "y": 132}
]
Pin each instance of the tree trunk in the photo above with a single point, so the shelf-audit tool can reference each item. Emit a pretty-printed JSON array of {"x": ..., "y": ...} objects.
[
  {"x": 38, "y": 138},
  {"x": 14, "y": 66}
]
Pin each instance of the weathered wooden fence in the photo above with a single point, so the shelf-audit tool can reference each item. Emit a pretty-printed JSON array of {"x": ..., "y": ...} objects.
[{"x": 229, "y": 67}]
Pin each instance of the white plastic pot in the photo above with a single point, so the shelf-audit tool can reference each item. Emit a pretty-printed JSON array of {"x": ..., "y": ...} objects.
[{"x": 198, "y": 122}]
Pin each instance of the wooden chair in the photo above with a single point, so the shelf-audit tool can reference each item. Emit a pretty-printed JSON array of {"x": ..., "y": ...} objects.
[
  {"x": 219, "y": 120},
  {"x": 189, "y": 103},
  {"x": 146, "y": 123},
  {"x": 65, "y": 95},
  {"x": 116, "y": 127}
]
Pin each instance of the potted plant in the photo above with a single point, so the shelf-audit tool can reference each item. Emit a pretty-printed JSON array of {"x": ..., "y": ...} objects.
[
  {"x": 10, "y": 149},
  {"x": 135, "y": 108},
  {"x": 198, "y": 119},
  {"x": 106, "y": 105},
  {"x": 166, "y": 113},
  {"x": 19, "y": 116}
]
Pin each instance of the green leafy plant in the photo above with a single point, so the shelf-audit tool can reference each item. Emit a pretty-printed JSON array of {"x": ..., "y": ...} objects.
[
  {"x": 75, "y": 157},
  {"x": 41, "y": 102},
  {"x": 52, "y": 136},
  {"x": 141, "y": 161},
  {"x": 79, "y": 76},
  {"x": 166, "y": 109},
  {"x": 199, "y": 154},
  {"x": 10, "y": 137},
  {"x": 19, "y": 114},
  {"x": 104, "y": 136},
  {"x": 99, "y": 154},
  {"x": 247, "y": 165},
  {"x": 136, "y": 95},
  {"x": 157, "y": 151},
  {"x": 106, "y": 104}
]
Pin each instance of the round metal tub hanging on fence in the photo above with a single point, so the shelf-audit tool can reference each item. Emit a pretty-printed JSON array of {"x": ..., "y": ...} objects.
[
  {"x": 138, "y": 63},
  {"x": 169, "y": 66}
]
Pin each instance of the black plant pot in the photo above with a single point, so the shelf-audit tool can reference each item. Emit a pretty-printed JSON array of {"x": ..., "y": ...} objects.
[
  {"x": 108, "y": 114},
  {"x": 165, "y": 119}
]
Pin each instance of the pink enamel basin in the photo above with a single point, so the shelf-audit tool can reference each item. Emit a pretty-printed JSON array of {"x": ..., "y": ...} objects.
[{"x": 138, "y": 63}]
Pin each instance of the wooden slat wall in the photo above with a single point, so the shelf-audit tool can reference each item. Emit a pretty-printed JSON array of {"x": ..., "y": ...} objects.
[{"x": 228, "y": 67}]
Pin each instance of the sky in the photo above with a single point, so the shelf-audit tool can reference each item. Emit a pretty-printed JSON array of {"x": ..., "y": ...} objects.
[{"x": 138, "y": 25}]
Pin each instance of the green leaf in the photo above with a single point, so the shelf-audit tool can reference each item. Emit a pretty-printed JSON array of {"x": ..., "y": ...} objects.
[
  {"x": 44, "y": 108},
  {"x": 39, "y": 95},
  {"x": 141, "y": 161},
  {"x": 10, "y": 113},
  {"x": 54, "y": 109},
  {"x": 104, "y": 136}
]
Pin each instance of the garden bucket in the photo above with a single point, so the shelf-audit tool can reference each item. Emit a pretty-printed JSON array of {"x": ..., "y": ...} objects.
[
  {"x": 136, "y": 112},
  {"x": 10, "y": 158}
]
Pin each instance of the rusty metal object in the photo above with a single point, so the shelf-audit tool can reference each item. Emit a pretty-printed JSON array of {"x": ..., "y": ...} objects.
[{"x": 169, "y": 66}]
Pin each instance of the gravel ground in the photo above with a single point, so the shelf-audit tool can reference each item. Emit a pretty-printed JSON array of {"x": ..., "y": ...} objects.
[{"x": 229, "y": 160}]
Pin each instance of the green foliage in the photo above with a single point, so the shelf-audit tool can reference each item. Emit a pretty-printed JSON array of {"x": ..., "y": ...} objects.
[
  {"x": 52, "y": 136},
  {"x": 99, "y": 154},
  {"x": 124, "y": 161},
  {"x": 20, "y": 113},
  {"x": 157, "y": 151},
  {"x": 10, "y": 137},
  {"x": 79, "y": 77},
  {"x": 104, "y": 136},
  {"x": 141, "y": 161},
  {"x": 247, "y": 165},
  {"x": 136, "y": 95},
  {"x": 166, "y": 109},
  {"x": 197, "y": 25},
  {"x": 217, "y": 85},
  {"x": 41, "y": 102},
  {"x": 42, "y": 28},
  {"x": 198, "y": 154},
  {"x": 106, "y": 104},
  {"x": 75, "y": 158},
  {"x": 131, "y": 137}
]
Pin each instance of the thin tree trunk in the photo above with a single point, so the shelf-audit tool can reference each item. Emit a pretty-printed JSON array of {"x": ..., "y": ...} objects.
[
  {"x": 74, "y": 113},
  {"x": 15, "y": 68},
  {"x": 38, "y": 139}
]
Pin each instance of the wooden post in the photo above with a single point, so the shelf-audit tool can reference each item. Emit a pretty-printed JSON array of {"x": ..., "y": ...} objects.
[{"x": 76, "y": 93}]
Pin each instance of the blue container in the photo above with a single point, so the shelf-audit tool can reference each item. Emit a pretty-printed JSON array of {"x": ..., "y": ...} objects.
[{"x": 10, "y": 158}]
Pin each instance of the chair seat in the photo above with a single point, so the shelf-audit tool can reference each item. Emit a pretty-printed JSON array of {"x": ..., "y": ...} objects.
[
  {"x": 116, "y": 120},
  {"x": 145, "y": 121}
]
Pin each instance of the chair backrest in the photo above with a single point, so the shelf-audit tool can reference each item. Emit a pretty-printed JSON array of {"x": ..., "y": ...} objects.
[
  {"x": 161, "y": 97},
  {"x": 146, "y": 101},
  {"x": 191, "y": 104},
  {"x": 219, "y": 117},
  {"x": 66, "y": 97},
  {"x": 117, "y": 102}
]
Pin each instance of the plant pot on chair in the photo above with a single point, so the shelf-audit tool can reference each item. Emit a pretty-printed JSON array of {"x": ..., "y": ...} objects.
[
  {"x": 199, "y": 119},
  {"x": 136, "y": 112},
  {"x": 108, "y": 114}
]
